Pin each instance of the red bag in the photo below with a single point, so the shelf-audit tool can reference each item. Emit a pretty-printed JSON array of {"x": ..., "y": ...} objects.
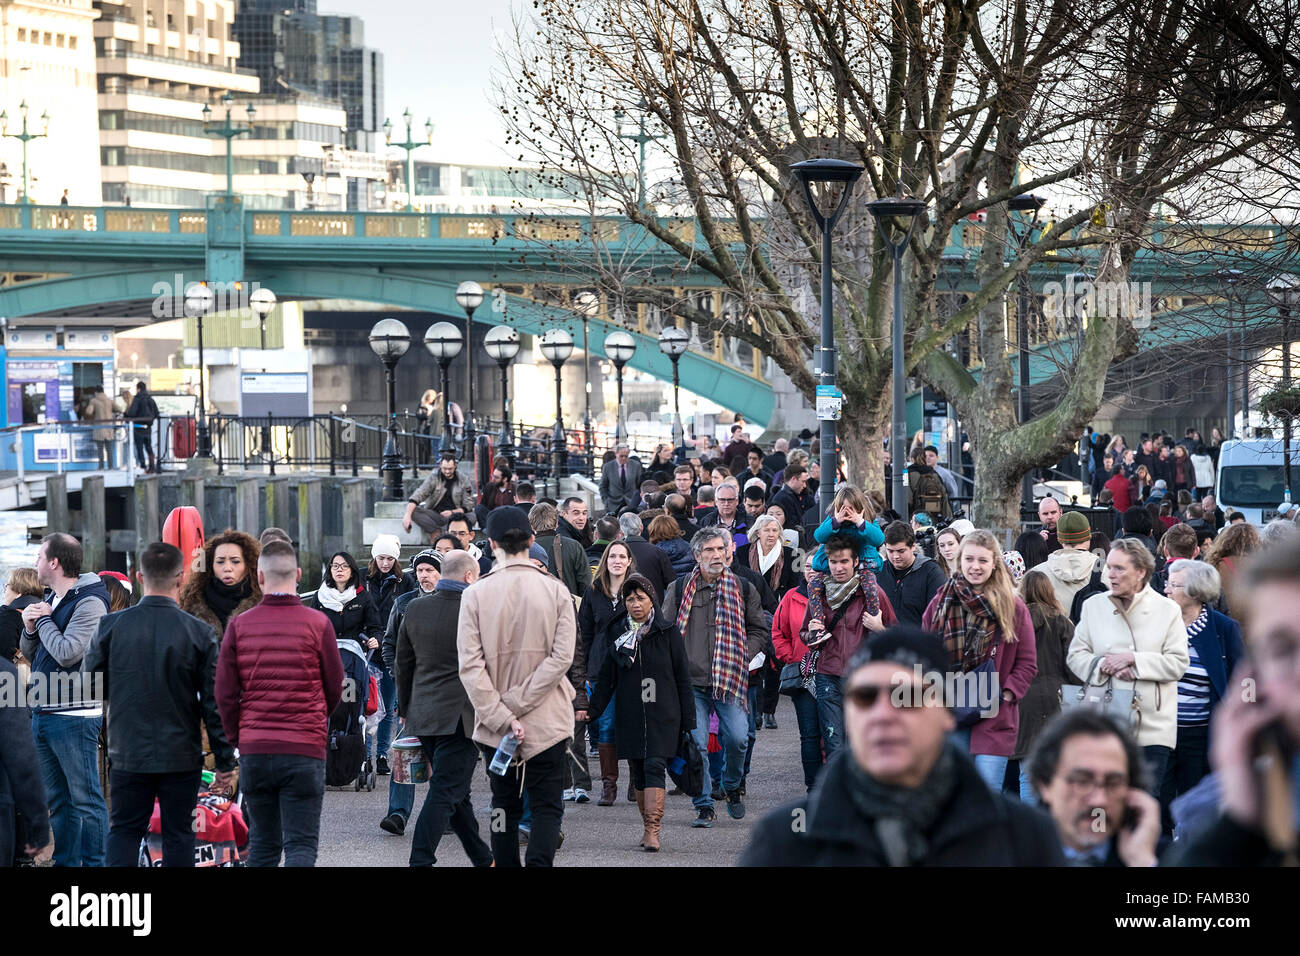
[{"x": 372, "y": 697}]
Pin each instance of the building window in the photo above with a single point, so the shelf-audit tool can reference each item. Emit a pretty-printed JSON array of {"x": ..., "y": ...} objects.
[
  {"x": 22, "y": 35},
  {"x": 72, "y": 43},
  {"x": 48, "y": 39},
  {"x": 58, "y": 40}
]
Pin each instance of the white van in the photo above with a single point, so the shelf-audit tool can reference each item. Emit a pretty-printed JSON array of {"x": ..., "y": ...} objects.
[{"x": 1250, "y": 477}]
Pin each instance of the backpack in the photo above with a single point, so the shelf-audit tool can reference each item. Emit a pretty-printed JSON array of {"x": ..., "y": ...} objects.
[
  {"x": 929, "y": 495},
  {"x": 1094, "y": 586}
]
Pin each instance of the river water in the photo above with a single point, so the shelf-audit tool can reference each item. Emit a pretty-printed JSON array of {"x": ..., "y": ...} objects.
[{"x": 15, "y": 551}]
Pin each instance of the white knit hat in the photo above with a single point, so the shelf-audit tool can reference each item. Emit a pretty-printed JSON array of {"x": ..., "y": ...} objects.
[{"x": 386, "y": 544}]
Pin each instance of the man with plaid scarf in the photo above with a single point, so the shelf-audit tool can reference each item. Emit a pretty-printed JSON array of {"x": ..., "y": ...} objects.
[{"x": 721, "y": 621}]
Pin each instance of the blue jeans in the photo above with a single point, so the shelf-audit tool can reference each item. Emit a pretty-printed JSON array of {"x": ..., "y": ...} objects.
[
  {"x": 1027, "y": 794},
  {"x": 67, "y": 750},
  {"x": 388, "y": 693},
  {"x": 605, "y": 725},
  {"x": 284, "y": 793},
  {"x": 830, "y": 710},
  {"x": 992, "y": 769},
  {"x": 752, "y": 696},
  {"x": 810, "y": 735},
  {"x": 733, "y": 735}
]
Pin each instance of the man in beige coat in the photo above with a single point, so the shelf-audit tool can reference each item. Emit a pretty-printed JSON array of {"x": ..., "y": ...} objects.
[
  {"x": 1137, "y": 638},
  {"x": 516, "y": 642},
  {"x": 100, "y": 410}
]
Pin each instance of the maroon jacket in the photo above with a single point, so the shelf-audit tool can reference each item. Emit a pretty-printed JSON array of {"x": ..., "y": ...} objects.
[
  {"x": 848, "y": 633},
  {"x": 279, "y": 676}
]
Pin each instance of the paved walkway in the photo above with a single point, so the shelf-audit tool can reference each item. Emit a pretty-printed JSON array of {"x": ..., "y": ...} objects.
[{"x": 593, "y": 836}]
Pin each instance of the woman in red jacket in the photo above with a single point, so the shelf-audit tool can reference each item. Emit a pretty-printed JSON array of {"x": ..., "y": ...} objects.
[
  {"x": 790, "y": 650},
  {"x": 980, "y": 618}
]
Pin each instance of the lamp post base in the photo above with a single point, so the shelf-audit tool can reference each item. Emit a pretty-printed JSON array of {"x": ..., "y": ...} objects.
[
  {"x": 391, "y": 466},
  {"x": 559, "y": 450}
]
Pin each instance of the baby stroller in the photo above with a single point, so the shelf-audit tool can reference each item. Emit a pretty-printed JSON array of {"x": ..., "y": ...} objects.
[
  {"x": 346, "y": 762},
  {"x": 220, "y": 832}
]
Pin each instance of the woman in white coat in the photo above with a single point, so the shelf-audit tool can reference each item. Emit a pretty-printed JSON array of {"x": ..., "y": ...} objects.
[{"x": 1141, "y": 641}]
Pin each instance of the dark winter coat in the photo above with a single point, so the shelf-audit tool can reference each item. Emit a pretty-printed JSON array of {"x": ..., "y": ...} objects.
[
  {"x": 384, "y": 589},
  {"x": 679, "y": 554},
  {"x": 21, "y": 790},
  {"x": 192, "y": 602},
  {"x": 595, "y": 618},
  {"x": 430, "y": 695},
  {"x": 11, "y": 624},
  {"x": 978, "y": 828},
  {"x": 1042, "y": 702},
  {"x": 650, "y": 727},
  {"x": 652, "y": 564},
  {"x": 910, "y": 591},
  {"x": 357, "y": 621}
]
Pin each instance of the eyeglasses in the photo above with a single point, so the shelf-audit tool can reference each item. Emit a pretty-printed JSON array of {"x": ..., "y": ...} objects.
[
  {"x": 339, "y": 567},
  {"x": 1082, "y": 782},
  {"x": 716, "y": 498}
]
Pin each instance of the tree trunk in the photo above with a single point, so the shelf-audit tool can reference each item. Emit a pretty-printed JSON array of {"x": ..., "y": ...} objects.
[{"x": 861, "y": 432}]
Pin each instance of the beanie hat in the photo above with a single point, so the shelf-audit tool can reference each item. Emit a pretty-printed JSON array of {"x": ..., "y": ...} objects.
[
  {"x": 1015, "y": 562},
  {"x": 427, "y": 556},
  {"x": 386, "y": 544},
  {"x": 1073, "y": 528},
  {"x": 120, "y": 578},
  {"x": 963, "y": 526}
]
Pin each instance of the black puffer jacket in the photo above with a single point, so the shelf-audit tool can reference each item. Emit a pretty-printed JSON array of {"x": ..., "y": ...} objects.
[
  {"x": 647, "y": 728},
  {"x": 384, "y": 589}
]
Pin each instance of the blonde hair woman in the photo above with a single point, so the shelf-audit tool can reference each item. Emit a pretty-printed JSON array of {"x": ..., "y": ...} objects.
[{"x": 986, "y": 628}]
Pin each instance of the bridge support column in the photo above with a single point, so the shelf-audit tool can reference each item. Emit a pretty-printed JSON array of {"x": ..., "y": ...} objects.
[
  {"x": 248, "y": 506},
  {"x": 56, "y": 503},
  {"x": 277, "y": 503},
  {"x": 192, "y": 495},
  {"x": 310, "y": 532},
  {"x": 94, "y": 523},
  {"x": 147, "y": 523}
]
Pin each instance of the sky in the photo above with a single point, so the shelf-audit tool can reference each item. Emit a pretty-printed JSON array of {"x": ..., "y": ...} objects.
[{"x": 439, "y": 59}]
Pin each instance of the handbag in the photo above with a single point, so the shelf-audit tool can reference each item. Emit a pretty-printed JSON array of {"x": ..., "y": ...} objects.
[
  {"x": 687, "y": 767},
  {"x": 1121, "y": 703}
]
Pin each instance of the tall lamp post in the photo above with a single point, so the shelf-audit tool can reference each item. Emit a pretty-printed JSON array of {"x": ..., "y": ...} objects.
[
  {"x": 557, "y": 346},
  {"x": 827, "y": 185},
  {"x": 262, "y": 301},
  {"x": 586, "y": 305},
  {"x": 410, "y": 146},
  {"x": 1284, "y": 295},
  {"x": 199, "y": 300},
  {"x": 620, "y": 347},
  {"x": 502, "y": 344},
  {"x": 895, "y": 217},
  {"x": 444, "y": 342},
  {"x": 1023, "y": 204},
  {"x": 24, "y": 137},
  {"x": 674, "y": 342},
  {"x": 229, "y": 131},
  {"x": 470, "y": 297},
  {"x": 389, "y": 339},
  {"x": 1230, "y": 280}
]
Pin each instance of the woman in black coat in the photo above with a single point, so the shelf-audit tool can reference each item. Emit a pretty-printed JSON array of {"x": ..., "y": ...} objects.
[
  {"x": 602, "y": 611},
  {"x": 648, "y": 656},
  {"x": 342, "y": 597}
]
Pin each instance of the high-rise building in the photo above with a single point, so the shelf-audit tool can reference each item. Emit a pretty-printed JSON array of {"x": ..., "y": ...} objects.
[
  {"x": 47, "y": 60},
  {"x": 293, "y": 48}
]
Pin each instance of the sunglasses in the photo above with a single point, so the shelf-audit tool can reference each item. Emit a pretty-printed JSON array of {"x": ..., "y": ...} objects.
[{"x": 866, "y": 695}]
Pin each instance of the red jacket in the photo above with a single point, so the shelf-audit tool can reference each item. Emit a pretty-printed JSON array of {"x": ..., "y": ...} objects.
[
  {"x": 785, "y": 627},
  {"x": 1017, "y": 663},
  {"x": 279, "y": 676},
  {"x": 1122, "y": 491},
  {"x": 849, "y": 633}
]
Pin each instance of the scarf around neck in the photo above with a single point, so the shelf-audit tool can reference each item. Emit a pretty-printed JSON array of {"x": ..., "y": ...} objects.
[
  {"x": 837, "y": 594},
  {"x": 903, "y": 817},
  {"x": 966, "y": 623},
  {"x": 772, "y": 562},
  {"x": 446, "y": 585},
  {"x": 730, "y": 675},
  {"x": 336, "y": 601},
  {"x": 223, "y": 598},
  {"x": 625, "y": 646}
]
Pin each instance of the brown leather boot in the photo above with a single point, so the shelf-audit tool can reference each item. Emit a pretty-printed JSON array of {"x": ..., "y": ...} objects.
[
  {"x": 645, "y": 820},
  {"x": 653, "y": 800},
  {"x": 608, "y": 774}
]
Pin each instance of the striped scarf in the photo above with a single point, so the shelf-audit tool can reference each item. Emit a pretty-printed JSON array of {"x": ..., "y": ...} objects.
[{"x": 730, "y": 677}]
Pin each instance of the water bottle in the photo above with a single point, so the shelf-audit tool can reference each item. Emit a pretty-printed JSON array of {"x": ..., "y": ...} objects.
[{"x": 505, "y": 753}]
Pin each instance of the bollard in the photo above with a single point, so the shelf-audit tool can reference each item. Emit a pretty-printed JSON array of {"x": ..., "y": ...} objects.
[{"x": 94, "y": 523}]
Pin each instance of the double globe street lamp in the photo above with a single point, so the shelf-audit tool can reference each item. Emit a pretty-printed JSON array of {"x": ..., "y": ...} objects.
[
  {"x": 619, "y": 348},
  {"x": 557, "y": 345},
  {"x": 389, "y": 339},
  {"x": 674, "y": 342},
  {"x": 502, "y": 344},
  {"x": 444, "y": 342}
]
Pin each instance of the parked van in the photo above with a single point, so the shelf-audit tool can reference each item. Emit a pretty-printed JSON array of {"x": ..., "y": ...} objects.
[{"x": 1251, "y": 478}]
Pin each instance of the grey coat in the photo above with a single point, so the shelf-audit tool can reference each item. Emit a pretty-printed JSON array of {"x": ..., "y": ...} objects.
[{"x": 427, "y": 668}]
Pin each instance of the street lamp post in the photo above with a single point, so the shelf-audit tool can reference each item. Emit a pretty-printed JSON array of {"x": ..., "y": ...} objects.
[
  {"x": 24, "y": 137},
  {"x": 1230, "y": 280},
  {"x": 827, "y": 185},
  {"x": 262, "y": 301},
  {"x": 586, "y": 304},
  {"x": 444, "y": 342},
  {"x": 1284, "y": 295},
  {"x": 641, "y": 138},
  {"x": 673, "y": 342},
  {"x": 1025, "y": 203},
  {"x": 557, "y": 346},
  {"x": 389, "y": 339},
  {"x": 229, "y": 131},
  {"x": 410, "y": 146},
  {"x": 470, "y": 297},
  {"x": 502, "y": 344},
  {"x": 199, "y": 300},
  {"x": 619, "y": 348}
]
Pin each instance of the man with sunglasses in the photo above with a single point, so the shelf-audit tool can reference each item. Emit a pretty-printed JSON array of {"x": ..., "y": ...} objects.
[
  {"x": 1089, "y": 773},
  {"x": 901, "y": 793}
]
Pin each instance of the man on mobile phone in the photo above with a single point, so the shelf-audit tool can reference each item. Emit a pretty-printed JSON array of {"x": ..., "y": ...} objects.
[
  {"x": 1089, "y": 773},
  {"x": 1255, "y": 733}
]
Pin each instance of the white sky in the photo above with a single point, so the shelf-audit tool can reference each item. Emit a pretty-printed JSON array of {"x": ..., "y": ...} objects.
[{"x": 439, "y": 59}]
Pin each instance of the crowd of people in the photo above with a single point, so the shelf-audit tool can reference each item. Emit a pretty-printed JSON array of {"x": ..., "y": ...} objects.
[{"x": 1094, "y": 679}]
